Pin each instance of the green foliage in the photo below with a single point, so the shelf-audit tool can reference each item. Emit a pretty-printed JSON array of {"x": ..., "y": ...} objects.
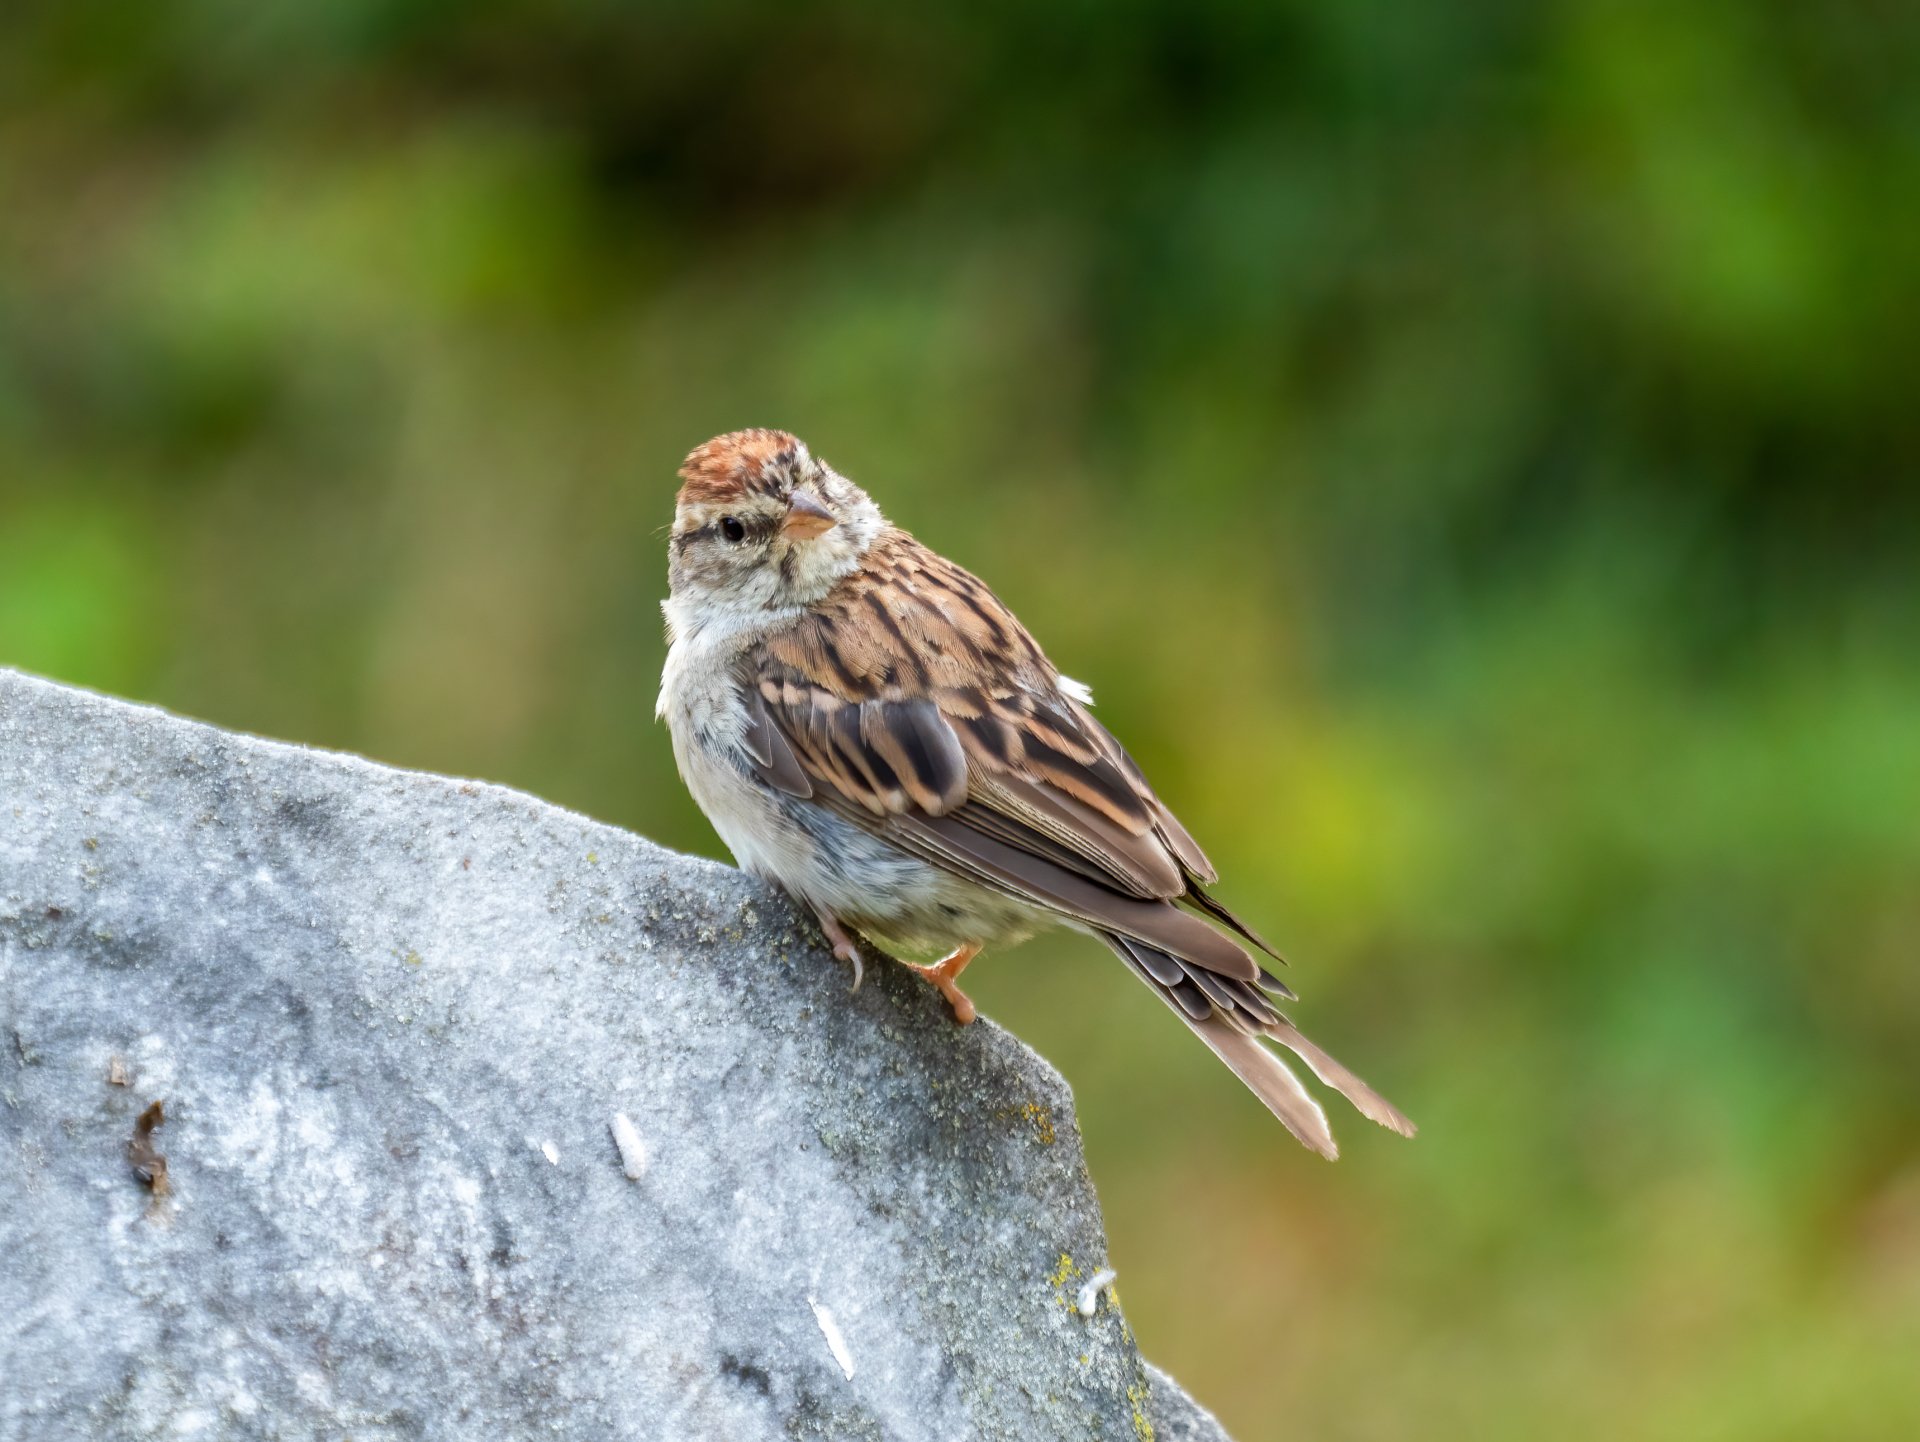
[{"x": 1472, "y": 450}]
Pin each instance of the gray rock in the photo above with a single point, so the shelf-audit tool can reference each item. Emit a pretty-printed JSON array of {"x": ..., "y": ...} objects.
[{"x": 393, "y": 1019}]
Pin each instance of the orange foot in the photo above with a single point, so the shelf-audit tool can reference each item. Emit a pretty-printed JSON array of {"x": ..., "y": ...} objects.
[{"x": 942, "y": 974}]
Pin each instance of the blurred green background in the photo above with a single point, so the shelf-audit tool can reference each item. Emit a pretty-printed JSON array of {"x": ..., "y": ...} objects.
[{"x": 1474, "y": 451}]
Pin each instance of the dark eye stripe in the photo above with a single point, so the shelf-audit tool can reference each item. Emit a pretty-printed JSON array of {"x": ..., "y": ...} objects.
[
  {"x": 687, "y": 538},
  {"x": 759, "y": 528}
]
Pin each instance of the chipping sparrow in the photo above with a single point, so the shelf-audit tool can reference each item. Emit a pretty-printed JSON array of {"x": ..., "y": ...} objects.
[{"x": 865, "y": 724}]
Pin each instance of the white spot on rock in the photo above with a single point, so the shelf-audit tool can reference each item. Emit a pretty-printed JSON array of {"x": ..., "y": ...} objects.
[
  {"x": 1089, "y": 1297},
  {"x": 552, "y": 1153},
  {"x": 836, "y": 1343},
  {"x": 633, "y": 1151}
]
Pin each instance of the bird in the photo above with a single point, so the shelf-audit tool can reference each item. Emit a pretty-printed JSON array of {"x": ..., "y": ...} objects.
[{"x": 867, "y": 726}]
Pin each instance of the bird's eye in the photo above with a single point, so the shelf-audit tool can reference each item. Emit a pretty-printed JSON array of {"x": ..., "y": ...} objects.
[{"x": 733, "y": 530}]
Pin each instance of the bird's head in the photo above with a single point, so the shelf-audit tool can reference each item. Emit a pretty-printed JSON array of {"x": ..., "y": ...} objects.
[{"x": 761, "y": 524}]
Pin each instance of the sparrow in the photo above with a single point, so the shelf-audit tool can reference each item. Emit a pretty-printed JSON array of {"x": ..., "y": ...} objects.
[{"x": 867, "y": 726}]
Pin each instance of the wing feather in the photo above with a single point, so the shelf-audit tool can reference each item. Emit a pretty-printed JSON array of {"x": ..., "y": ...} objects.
[
  {"x": 913, "y": 704},
  {"x": 769, "y": 747}
]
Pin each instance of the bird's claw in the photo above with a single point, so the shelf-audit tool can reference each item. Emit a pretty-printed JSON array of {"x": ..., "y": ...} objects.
[
  {"x": 848, "y": 952},
  {"x": 942, "y": 976},
  {"x": 843, "y": 947}
]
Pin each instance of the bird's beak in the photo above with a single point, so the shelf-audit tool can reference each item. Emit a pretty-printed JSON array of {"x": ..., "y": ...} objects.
[{"x": 806, "y": 518}]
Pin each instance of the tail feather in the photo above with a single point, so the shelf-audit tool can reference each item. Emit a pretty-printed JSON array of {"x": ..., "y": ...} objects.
[
  {"x": 1235, "y": 1022},
  {"x": 1369, "y": 1103},
  {"x": 1270, "y": 1079}
]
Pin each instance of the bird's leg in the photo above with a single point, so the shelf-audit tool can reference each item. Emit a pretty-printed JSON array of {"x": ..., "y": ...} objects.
[
  {"x": 942, "y": 974},
  {"x": 843, "y": 946}
]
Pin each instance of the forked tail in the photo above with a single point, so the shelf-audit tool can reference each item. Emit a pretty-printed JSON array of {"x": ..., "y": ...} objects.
[{"x": 1237, "y": 1018}]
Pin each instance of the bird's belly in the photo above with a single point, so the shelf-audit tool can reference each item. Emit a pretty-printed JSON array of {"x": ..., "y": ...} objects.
[
  {"x": 912, "y": 908},
  {"x": 903, "y": 903},
  {"x": 906, "y": 904}
]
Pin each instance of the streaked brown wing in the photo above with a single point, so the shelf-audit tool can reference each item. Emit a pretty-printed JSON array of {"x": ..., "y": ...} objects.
[
  {"x": 912, "y": 690},
  {"x": 913, "y": 704}
]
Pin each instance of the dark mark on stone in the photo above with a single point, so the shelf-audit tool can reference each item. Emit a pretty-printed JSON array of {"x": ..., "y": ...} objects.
[
  {"x": 148, "y": 1164},
  {"x": 753, "y": 1376}
]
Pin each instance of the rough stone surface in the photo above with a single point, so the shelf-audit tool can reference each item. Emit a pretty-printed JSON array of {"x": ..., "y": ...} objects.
[{"x": 393, "y": 1018}]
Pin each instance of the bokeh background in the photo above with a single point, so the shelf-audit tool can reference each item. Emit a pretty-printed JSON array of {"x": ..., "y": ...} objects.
[{"x": 1474, "y": 450}]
